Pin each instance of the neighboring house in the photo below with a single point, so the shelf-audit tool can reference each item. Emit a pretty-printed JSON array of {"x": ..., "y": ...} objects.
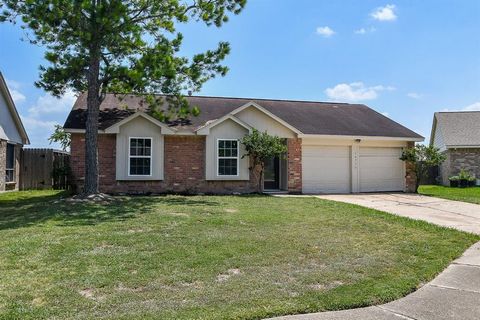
[
  {"x": 12, "y": 138},
  {"x": 457, "y": 134},
  {"x": 332, "y": 147}
]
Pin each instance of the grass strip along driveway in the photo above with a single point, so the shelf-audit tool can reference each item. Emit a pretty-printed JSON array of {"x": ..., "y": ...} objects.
[
  {"x": 206, "y": 257},
  {"x": 471, "y": 195}
]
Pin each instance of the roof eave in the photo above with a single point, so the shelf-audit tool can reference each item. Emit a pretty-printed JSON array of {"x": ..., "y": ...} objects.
[
  {"x": 13, "y": 110},
  {"x": 339, "y": 136}
]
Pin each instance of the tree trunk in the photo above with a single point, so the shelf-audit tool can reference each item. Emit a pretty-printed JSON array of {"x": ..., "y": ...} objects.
[
  {"x": 260, "y": 178},
  {"x": 91, "y": 132}
]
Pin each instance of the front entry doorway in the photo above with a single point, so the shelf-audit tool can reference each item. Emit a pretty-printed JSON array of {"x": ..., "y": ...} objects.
[{"x": 271, "y": 174}]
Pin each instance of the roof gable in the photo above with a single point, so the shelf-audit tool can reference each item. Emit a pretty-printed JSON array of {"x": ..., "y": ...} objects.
[
  {"x": 458, "y": 129},
  {"x": 115, "y": 128}
]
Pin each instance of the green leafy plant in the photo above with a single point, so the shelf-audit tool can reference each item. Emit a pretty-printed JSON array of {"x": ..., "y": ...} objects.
[
  {"x": 454, "y": 178},
  {"x": 259, "y": 147},
  {"x": 465, "y": 175},
  {"x": 121, "y": 46},
  {"x": 60, "y": 136},
  {"x": 423, "y": 157}
]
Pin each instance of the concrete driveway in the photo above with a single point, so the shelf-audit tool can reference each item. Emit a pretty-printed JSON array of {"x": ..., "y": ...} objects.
[{"x": 454, "y": 214}]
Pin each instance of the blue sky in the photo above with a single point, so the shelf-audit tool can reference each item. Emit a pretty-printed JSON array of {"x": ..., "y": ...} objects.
[{"x": 406, "y": 59}]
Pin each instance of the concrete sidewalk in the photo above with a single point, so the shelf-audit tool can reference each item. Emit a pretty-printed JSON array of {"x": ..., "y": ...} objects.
[{"x": 454, "y": 294}]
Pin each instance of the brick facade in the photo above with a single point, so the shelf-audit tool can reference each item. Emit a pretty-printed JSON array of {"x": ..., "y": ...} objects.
[
  {"x": 184, "y": 161},
  {"x": 410, "y": 176},
  {"x": 3, "y": 163},
  {"x": 458, "y": 159},
  {"x": 294, "y": 165}
]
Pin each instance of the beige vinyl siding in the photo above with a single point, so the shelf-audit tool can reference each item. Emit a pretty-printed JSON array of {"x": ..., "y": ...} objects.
[
  {"x": 226, "y": 130},
  {"x": 438, "y": 139},
  {"x": 262, "y": 122},
  {"x": 8, "y": 128},
  {"x": 138, "y": 128}
]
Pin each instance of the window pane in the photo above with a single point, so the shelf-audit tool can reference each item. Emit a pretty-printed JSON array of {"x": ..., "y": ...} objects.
[
  {"x": 140, "y": 147},
  {"x": 10, "y": 156},
  {"x": 140, "y": 166},
  {"x": 227, "y": 167}
]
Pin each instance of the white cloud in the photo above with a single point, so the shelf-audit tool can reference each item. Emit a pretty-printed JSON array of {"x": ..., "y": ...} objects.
[
  {"x": 355, "y": 91},
  {"x": 13, "y": 87},
  {"x": 386, "y": 13},
  {"x": 50, "y": 104},
  {"x": 36, "y": 124},
  {"x": 364, "y": 30},
  {"x": 325, "y": 31},
  {"x": 473, "y": 107},
  {"x": 414, "y": 95}
]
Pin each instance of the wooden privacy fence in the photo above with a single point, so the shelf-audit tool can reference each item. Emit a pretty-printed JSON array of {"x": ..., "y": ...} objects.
[{"x": 45, "y": 169}]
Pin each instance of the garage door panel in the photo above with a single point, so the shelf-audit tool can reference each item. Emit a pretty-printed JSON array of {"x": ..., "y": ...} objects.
[
  {"x": 381, "y": 169},
  {"x": 326, "y": 169}
]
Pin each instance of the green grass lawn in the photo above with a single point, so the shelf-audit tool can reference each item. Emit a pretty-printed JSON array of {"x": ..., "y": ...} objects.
[
  {"x": 206, "y": 257},
  {"x": 460, "y": 194}
]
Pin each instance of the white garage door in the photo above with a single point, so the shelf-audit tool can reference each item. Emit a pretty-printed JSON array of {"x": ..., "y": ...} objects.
[
  {"x": 381, "y": 169},
  {"x": 326, "y": 169}
]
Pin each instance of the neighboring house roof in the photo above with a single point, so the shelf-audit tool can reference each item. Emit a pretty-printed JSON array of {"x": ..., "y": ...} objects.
[
  {"x": 316, "y": 118},
  {"x": 457, "y": 129},
  {"x": 13, "y": 113}
]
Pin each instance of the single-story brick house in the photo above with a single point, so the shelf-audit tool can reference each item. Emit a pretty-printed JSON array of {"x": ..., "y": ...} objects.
[
  {"x": 457, "y": 134},
  {"x": 332, "y": 147},
  {"x": 12, "y": 138}
]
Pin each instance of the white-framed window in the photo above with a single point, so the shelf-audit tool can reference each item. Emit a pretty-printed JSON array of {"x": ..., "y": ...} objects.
[
  {"x": 10, "y": 164},
  {"x": 227, "y": 157},
  {"x": 139, "y": 156}
]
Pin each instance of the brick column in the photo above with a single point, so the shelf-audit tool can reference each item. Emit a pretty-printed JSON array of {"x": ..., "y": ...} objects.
[
  {"x": 294, "y": 162},
  {"x": 410, "y": 177}
]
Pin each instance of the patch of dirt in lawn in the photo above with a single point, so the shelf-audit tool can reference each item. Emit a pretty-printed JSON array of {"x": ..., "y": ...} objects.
[
  {"x": 89, "y": 293},
  {"x": 121, "y": 288},
  {"x": 178, "y": 214},
  {"x": 231, "y": 210},
  {"x": 225, "y": 276},
  {"x": 105, "y": 248},
  {"x": 325, "y": 287},
  {"x": 138, "y": 230}
]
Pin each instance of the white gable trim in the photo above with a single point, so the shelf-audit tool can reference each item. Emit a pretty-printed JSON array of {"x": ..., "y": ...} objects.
[
  {"x": 13, "y": 110},
  {"x": 164, "y": 128},
  {"x": 268, "y": 113},
  {"x": 205, "y": 130}
]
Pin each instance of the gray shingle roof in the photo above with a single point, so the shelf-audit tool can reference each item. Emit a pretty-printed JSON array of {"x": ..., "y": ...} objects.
[
  {"x": 323, "y": 118},
  {"x": 460, "y": 128}
]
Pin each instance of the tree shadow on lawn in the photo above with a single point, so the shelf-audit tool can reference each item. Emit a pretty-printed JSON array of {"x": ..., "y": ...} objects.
[{"x": 31, "y": 211}]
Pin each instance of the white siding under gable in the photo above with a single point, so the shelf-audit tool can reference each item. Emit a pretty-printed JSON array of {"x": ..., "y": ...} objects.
[
  {"x": 8, "y": 129},
  {"x": 228, "y": 129},
  {"x": 138, "y": 128},
  {"x": 438, "y": 138},
  {"x": 263, "y": 122}
]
